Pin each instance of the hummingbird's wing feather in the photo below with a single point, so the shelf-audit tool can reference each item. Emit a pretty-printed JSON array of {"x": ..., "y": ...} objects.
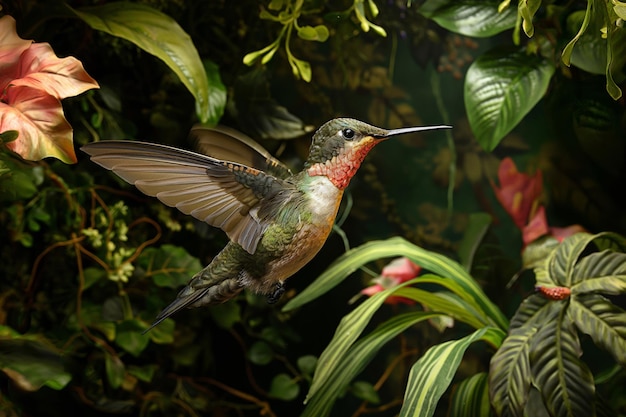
[
  {"x": 223, "y": 194},
  {"x": 228, "y": 144}
]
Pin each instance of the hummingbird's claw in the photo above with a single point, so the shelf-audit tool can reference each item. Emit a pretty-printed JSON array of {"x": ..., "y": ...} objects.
[{"x": 278, "y": 292}]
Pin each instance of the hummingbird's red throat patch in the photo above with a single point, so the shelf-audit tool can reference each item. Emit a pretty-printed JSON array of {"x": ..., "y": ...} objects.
[{"x": 341, "y": 168}]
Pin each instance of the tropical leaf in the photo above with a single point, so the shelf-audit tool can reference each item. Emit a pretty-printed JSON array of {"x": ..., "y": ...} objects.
[
  {"x": 360, "y": 354},
  {"x": 443, "y": 303},
  {"x": 533, "y": 311},
  {"x": 565, "y": 382},
  {"x": 562, "y": 262},
  {"x": 471, "y": 397},
  {"x": 431, "y": 375},
  {"x": 451, "y": 271},
  {"x": 469, "y": 17},
  {"x": 603, "y": 321},
  {"x": 603, "y": 272},
  {"x": 501, "y": 87},
  {"x": 347, "y": 332},
  {"x": 159, "y": 35},
  {"x": 509, "y": 373}
]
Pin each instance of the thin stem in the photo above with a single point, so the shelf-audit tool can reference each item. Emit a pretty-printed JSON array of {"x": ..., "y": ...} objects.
[{"x": 436, "y": 89}]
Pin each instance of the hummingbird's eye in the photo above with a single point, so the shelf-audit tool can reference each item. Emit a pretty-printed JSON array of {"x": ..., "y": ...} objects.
[{"x": 347, "y": 134}]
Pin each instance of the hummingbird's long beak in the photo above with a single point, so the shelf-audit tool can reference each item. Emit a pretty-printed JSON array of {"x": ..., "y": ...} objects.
[{"x": 403, "y": 130}]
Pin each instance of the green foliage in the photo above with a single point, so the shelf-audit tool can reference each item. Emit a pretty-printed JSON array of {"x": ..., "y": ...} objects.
[
  {"x": 160, "y": 35},
  {"x": 470, "y": 18},
  {"x": 88, "y": 262},
  {"x": 543, "y": 347},
  {"x": 503, "y": 85}
]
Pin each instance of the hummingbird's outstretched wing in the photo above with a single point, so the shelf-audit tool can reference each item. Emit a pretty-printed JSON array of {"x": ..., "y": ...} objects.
[
  {"x": 223, "y": 194},
  {"x": 228, "y": 144}
]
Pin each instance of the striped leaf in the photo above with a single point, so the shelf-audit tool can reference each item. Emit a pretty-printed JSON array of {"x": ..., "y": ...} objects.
[
  {"x": 471, "y": 397},
  {"x": 347, "y": 332},
  {"x": 359, "y": 355},
  {"x": 509, "y": 374},
  {"x": 603, "y": 272},
  {"x": 561, "y": 263},
  {"x": 431, "y": 375},
  {"x": 603, "y": 321},
  {"x": 565, "y": 382},
  {"x": 468, "y": 288},
  {"x": 445, "y": 303}
]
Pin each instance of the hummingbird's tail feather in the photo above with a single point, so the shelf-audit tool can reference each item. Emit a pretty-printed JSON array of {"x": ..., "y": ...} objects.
[{"x": 199, "y": 296}]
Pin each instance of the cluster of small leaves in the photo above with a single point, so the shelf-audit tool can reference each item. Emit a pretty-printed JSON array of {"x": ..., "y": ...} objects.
[
  {"x": 543, "y": 349},
  {"x": 519, "y": 76},
  {"x": 287, "y": 14}
]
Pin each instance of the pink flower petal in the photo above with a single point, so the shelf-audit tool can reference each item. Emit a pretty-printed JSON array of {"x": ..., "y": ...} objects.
[
  {"x": 402, "y": 269},
  {"x": 11, "y": 48},
  {"x": 537, "y": 227},
  {"x": 561, "y": 233},
  {"x": 518, "y": 193},
  {"x": 38, "y": 117},
  {"x": 60, "y": 77},
  {"x": 374, "y": 289}
]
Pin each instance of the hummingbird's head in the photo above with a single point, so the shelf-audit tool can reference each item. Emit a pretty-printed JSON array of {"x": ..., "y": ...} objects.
[{"x": 340, "y": 145}]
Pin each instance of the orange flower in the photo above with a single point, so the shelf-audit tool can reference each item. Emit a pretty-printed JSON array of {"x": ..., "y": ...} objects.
[
  {"x": 395, "y": 273},
  {"x": 33, "y": 80}
]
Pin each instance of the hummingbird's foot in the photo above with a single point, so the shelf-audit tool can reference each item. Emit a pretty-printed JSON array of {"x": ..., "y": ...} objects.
[{"x": 278, "y": 292}]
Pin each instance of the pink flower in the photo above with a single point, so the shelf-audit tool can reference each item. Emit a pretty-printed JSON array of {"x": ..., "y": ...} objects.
[
  {"x": 33, "y": 80},
  {"x": 519, "y": 194},
  {"x": 395, "y": 273}
]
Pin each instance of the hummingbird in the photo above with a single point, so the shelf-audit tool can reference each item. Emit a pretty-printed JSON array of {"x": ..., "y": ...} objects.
[{"x": 276, "y": 220}]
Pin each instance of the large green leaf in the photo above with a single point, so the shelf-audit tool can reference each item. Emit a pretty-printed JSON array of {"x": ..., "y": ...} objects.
[
  {"x": 533, "y": 310},
  {"x": 561, "y": 263},
  {"x": 509, "y": 374},
  {"x": 465, "y": 286},
  {"x": 431, "y": 375},
  {"x": 603, "y": 272},
  {"x": 501, "y": 87},
  {"x": 32, "y": 362},
  {"x": 470, "y": 17},
  {"x": 443, "y": 303},
  {"x": 471, "y": 397},
  {"x": 603, "y": 321},
  {"x": 565, "y": 382},
  {"x": 359, "y": 355},
  {"x": 159, "y": 35}
]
